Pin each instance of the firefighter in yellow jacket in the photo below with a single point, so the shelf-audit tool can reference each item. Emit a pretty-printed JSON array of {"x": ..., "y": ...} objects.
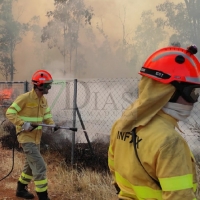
[
  {"x": 147, "y": 157},
  {"x": 32, "y": 108}
]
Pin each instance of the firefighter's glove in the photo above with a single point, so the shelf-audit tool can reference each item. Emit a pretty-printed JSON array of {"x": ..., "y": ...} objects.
[
  {"x": 27, "y": 126},
  {"x": 56, "y": 128}
]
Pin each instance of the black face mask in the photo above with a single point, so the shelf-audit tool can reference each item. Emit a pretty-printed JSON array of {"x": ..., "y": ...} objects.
[{"x": 190, "y": 92}]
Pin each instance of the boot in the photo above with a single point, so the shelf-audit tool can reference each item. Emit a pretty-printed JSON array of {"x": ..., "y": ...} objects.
[
  {"x": 23, "y": 192},
  {"x": 43, "y": 195}
]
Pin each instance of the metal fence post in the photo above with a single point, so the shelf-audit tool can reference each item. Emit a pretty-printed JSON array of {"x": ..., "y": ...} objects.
[
  {"x": 25, "y": 86},
  {"x": 74, "y": 120}
]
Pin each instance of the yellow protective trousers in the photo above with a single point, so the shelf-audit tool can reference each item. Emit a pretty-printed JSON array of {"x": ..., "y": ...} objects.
[{"x": 34, "y": 168}]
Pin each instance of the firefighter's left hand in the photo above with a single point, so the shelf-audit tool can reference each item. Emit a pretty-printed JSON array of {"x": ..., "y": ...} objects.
[{"x": 27, "y": 126}]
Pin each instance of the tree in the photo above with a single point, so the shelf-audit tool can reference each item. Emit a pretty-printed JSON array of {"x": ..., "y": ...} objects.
[
  {"x": 40, "y": 49},
  {"x": 147, "y": 36},
  {"x": 106, "y": 56},
  {"x": 62, "y": 30},
  {"x": 11, "y": 33},
  {"x": 182, "y": 19},
  {"x": 126, "y": 49}
]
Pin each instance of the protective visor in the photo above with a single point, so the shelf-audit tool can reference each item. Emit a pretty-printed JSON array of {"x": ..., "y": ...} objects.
[
  {"x": 45, "y": 86},
  {"x": 190, "y": 92}
]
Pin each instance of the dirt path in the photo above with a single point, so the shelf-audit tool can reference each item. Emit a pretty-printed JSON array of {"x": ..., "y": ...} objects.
[
  {"x": 8, "y": 185},
  {"x": 7, "y": 191}
]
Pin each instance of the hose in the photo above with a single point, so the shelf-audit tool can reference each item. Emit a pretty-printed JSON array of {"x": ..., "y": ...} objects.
[
  {"x": 13, "y": 157},
  {"x": 34, "y": 126}
]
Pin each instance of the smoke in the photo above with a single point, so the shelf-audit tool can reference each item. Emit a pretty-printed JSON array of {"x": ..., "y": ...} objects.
[{"x": 100, "y": 55}]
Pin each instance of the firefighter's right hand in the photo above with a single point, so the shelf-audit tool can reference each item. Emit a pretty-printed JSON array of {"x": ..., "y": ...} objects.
[{"x": 27, "y": 126}]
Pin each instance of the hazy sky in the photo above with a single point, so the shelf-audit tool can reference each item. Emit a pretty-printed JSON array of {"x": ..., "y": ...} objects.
[{"x": 107, "y": 11}]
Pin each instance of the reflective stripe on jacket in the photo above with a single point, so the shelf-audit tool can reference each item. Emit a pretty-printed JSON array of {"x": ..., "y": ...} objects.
[
  {"x": 28, "y": 107},
  {"x": 165, "y": 156}
]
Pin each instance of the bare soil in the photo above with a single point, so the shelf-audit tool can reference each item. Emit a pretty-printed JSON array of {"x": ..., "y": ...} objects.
[{"x": 8, "y": 185}]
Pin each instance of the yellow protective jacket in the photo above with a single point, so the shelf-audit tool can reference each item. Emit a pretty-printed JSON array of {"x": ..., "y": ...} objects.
[
  {"x": 28, "y": 107},
  {"x": 163, "y": 153}
]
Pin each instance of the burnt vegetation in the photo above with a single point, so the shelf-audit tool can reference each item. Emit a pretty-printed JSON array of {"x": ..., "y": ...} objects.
[{"x": 8, "y": 137}]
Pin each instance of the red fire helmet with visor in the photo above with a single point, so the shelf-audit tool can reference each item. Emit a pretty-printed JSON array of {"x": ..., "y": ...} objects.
[
  {"x": 42, "y": 79},
  {"x": 176, "y": 66}
]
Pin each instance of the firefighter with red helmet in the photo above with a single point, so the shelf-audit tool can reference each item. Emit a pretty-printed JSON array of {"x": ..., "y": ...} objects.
[
  {"x": 32, "y": 108},
  {"x": 147, "y": 156}
]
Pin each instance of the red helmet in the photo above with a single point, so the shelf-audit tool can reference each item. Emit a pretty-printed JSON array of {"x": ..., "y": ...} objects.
[
  {"x": 41, "y": 77},
  {"x": 173, "y": 64}
]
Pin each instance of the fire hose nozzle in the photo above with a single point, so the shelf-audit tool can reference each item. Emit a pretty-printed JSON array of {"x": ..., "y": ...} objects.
[
  {"x": 73, "y": 129},
  {"x": 53, "y": 126}
]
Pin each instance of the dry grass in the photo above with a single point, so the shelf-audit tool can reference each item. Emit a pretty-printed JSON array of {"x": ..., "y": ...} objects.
[
  {"x": 77, "y": 183},
  {"x": 65, "y": 182},
  {"x": 87, "y": 179}
]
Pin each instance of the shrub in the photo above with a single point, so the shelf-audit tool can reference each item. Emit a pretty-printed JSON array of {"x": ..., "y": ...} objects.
[
  {"x": 8, "y": 135},
  {"x": 93, "y": 156}
]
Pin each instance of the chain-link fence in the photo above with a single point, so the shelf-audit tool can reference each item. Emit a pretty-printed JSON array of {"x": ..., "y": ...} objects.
[
  {"x": 94, "y": 105},
  {"x": 99, "y": 103},
  {"x": 102, "y": 101}
]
